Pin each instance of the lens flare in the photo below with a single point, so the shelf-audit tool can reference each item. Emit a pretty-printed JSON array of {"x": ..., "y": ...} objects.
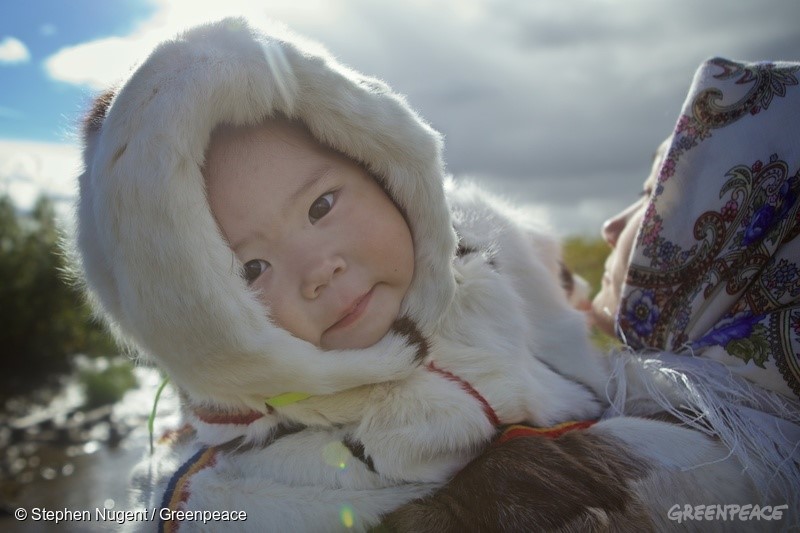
[
  {"x": 347, "y": 516},
  {"x": 336, "y": 455}
]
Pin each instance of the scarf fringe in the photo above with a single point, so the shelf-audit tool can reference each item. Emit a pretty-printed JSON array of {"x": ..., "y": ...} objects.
[{"x": 759, "y": 427}]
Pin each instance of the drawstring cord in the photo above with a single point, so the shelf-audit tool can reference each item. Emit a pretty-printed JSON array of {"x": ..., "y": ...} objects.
[{"x": 152, "y": 419}]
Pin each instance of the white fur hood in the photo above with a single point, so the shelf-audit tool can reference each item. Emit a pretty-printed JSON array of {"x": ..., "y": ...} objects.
[{"x": 154, "y": 260}]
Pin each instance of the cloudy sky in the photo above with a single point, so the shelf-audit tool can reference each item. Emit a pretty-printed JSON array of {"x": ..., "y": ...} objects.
[{"x": 558, "y": 104}]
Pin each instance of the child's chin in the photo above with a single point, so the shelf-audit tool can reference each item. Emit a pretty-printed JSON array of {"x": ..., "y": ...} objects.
[{"x": 351, "y": 340}]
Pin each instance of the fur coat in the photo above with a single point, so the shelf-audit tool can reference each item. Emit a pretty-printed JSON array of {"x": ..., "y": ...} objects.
[{"x": 298, "y": 438}]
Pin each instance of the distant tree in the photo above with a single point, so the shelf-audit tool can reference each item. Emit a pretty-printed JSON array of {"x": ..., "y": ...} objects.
[{"x": 44, "y": 320}]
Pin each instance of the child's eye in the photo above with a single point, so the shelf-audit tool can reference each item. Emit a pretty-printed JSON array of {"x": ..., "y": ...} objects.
[
  {"x": 253, "y": 269},
  {"x": 320, "y": 207}
]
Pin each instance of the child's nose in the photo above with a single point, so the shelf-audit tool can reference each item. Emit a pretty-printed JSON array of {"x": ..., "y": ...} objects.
[{"x": 319, "y": 274}]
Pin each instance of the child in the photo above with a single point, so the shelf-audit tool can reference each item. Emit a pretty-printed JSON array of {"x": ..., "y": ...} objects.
[{"x": 272, "y": 229}]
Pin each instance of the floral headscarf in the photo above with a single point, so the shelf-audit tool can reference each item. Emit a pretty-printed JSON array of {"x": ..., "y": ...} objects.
[{"x": 716, "y": 265}]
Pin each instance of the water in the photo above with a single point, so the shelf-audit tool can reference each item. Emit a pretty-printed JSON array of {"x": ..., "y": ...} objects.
[{"x": 54, "y": 457}]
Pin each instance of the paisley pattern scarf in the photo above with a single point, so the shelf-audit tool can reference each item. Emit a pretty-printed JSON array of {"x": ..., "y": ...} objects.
[{"x": 715, "y": 270}]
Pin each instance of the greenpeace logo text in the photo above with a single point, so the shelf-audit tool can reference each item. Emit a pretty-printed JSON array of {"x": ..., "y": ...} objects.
[{"x": 730, "y": 512}]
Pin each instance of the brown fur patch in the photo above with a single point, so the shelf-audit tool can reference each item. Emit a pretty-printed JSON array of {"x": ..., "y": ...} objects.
[
  {"x": 238, "y": 445},
  {"x": 356, "y": 448},
  {"x": 577, "y": 482},
  {"x": 567, "y": 279},
  {"x": 464, "y": 249},
  {"x": 406, "y": 327},
  {"x": 94, "y": 119}
]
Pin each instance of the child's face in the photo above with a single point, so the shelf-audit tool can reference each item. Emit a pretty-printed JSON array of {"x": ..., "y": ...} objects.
[{"x": 328, "y": 251}]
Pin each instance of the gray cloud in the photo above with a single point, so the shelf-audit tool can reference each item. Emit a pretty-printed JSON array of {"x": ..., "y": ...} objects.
[{"x": 558, "y": 103}]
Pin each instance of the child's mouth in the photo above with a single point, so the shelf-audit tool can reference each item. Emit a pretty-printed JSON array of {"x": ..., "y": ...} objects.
[{"x": 354, "y": 313}]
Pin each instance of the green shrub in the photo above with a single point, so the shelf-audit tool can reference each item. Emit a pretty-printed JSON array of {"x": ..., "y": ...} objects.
[
  {"x": 107, "y": 385},
  {"x": 587, "y": 257},
  {"x": 44, "y": 320}
]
